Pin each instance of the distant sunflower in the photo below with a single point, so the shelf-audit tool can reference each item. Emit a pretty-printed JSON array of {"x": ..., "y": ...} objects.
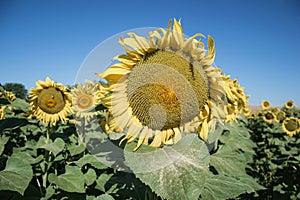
[
  {"x": 85, "y": 99},
  {"x": 280, "y": 116},
  {"x": 275, "y": 110},
  {"x": 265, "y": 105},
  {"x": 289, "y": 104},
  {"x": 269, "y": 117},
  {"x": 165, "y": 86},
  {"x": 246, "y": 112},
  {"x": 50, "y": 101},
  {"x": 291, "y": 126},
  {"x": 7, "y": 95}
]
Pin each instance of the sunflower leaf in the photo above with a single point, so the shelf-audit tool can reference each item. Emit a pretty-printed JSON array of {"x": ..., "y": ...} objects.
[
  {"x": 227, "y": 161},
  {"x": 71, "y": 181},
  {"x": 104, "y": 197},
  {"x": 92, "y": 160},
  {"x": 17, "y": 173},
  {"x": 172, "y": 172},
  {"x": 55, "y": 147},
  {"x": 224, "y": 187},
  {"x": 90, "y": 176},
  {"x": 20, "y": 104}
]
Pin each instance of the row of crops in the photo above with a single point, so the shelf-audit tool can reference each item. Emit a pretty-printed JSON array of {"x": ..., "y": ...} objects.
[{"x": 257, "y": 156}]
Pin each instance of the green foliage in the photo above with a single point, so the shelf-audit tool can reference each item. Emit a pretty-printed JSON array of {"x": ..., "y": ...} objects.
[
  {"x": 188, "y": 170},
  {"x": 17, "y": 88},
  {"x": 69, "y": 161},
  {"x": 276, "y": 162}
]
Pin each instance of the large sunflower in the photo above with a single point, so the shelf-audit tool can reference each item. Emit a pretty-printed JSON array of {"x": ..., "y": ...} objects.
[
  {"x": 50, "y": 101},
  {"x": 165, "y": 85},
  {"x": 291, "y": 126},
  {"x": 85, "y": 99}
]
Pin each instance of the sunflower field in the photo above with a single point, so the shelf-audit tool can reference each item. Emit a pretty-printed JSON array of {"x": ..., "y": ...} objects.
[{"x": 162, "y": 122}]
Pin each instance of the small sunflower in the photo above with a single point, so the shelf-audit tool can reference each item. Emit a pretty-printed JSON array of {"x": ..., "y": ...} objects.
[
  {"x": 265, "y": 105},
  {"x": 275, "y": 110},
  {"x": 164, "y": 86},
  {"x": 85, "y": 99},
  {"x": 7, "y": 95},
  {"x": 246, "y": 112},
  {"x": 289, "y": 104},
  {"x": 269, "y": 117},
  {"x": 291, "y": 126},
  {"x": 280, "y": 116},
  {"x": 50, "y": 101}
]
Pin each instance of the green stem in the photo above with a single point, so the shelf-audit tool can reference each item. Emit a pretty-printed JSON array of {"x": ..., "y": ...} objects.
[{"x": 47, "y": 155}]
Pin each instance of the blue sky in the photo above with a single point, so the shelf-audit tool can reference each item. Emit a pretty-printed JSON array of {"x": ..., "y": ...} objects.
[{"x": 257, "y": 42}]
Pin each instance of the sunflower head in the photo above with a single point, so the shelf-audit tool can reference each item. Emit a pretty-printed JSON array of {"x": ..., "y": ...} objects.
[
  {"x": 165, "y": 86},
  {"x": 7, "y": 95},
  {"x": 269, "y": 117},
  {"x": 289, "y": 104},
  {"x": 265, "y": 105},
  {"x": 49, "y": 102},
  {"x": 85, "y": 98},
  {"x": 275, "y": 110},
  {"x": 280, "y": 115},
  {"x": 291, "y": 126}
]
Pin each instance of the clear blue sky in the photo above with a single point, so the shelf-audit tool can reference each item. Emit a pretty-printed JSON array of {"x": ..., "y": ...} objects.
[{"x": 257, "y": 42}]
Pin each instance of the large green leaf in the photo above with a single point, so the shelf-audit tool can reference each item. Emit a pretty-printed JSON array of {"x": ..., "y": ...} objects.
[
  {"x": 238, "y": 137},
  {"x": 55, "y": 147},
  {"x": 71, "y": 181},
  {"x": 172, "y": 172},
  {"x": 224, "y": 187},
  {"x": 17, "y": 173},
  {"x": 227, "y": 161}
]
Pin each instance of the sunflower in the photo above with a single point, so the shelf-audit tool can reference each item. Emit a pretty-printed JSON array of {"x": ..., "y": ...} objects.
[
  {"x": 289, "y": 104},
  {"x": 265, "y": 105},
  {"x": 246, "y": 112},
  {"x": 50, "y": 101},
  {"x": 237, "y": 100},
  {"x": 275, "y": 110},
  {"x": 164, "y": 86},
  {"x": 291, "y": 126},
  {"x": 269, "y": 117},
  {"x": 85, "y": 98},
  {"x": 280, "y": 116},
  {"x": 7, "y": 95}
]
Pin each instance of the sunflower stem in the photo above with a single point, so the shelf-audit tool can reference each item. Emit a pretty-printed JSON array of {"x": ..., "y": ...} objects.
[{"x": 47, "y": 154}]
